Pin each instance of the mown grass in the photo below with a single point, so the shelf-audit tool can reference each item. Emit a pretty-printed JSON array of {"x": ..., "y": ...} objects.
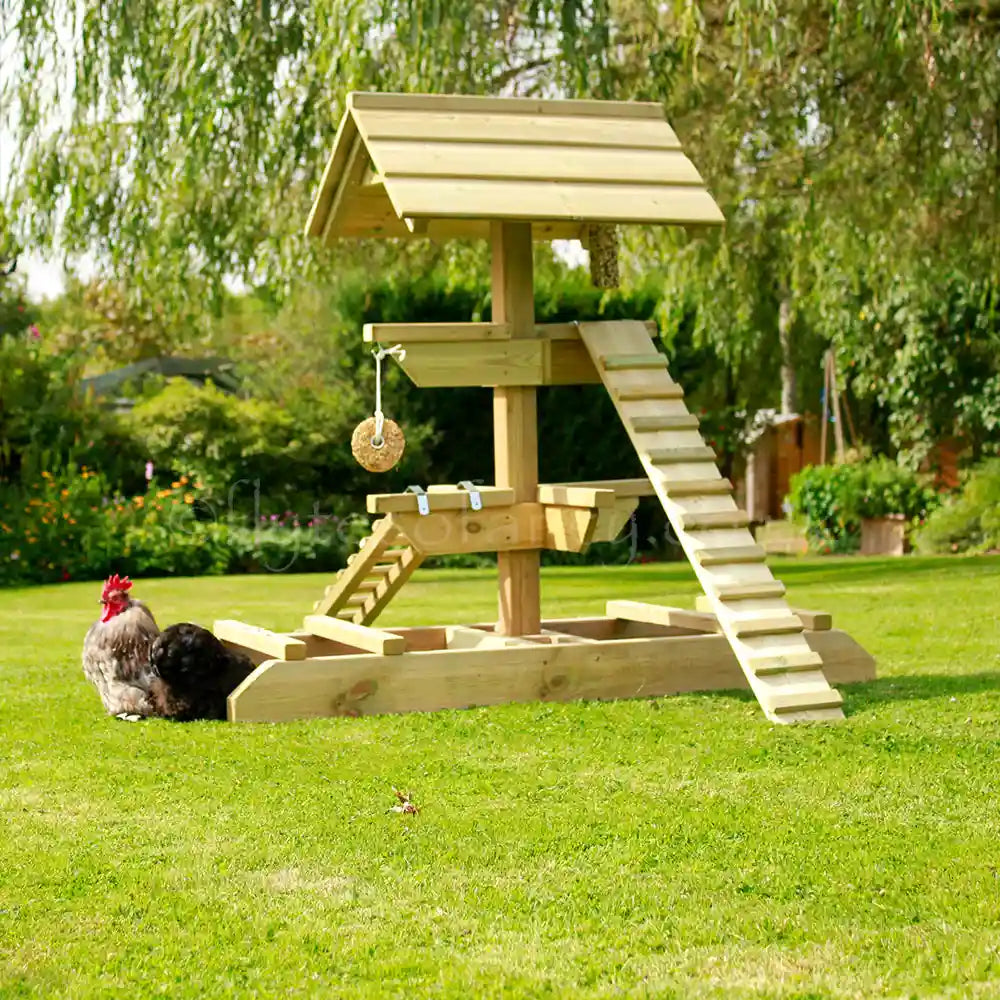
[{"x": 674, "y": 847}]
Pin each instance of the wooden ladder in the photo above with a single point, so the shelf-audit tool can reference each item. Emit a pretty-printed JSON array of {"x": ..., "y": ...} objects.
[
  {"x": 767, "y": 638},
  {"x": 373, "y": 576}
]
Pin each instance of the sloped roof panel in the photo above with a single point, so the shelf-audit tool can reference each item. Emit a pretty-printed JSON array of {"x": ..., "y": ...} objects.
[{"x": 406, "y": 164}]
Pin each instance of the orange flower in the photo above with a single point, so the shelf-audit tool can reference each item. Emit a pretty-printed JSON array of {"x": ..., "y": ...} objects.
[
  {"x": 46, "y": 475},
  {"x": 183, "y": 480},
  {"x": 162, "y": 494},
  {"x": 64, "y": 493},
  {"x": 175, "y": 486},
  {"x": 189, "y": 498}
]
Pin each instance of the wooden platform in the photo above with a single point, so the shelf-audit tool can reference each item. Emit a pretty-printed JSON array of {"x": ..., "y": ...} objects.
[{"x": 442, "y": 667}]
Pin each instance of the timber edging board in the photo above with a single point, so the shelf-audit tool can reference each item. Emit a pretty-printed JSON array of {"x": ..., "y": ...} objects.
[{"x": 368, "y": 684}]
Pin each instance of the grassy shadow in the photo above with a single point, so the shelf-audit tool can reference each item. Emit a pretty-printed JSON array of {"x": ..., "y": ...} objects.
[{"x": 920, "y": 687}]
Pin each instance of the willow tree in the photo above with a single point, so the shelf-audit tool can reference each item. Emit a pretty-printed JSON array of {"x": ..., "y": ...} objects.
[{"x": 182, "y": 139}]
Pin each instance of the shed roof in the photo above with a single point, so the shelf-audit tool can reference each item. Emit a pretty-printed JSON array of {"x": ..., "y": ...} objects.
[{"x": 443, "y": 166}]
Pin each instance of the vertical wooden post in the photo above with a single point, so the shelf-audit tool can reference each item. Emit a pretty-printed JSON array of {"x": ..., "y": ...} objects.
[{"x": 515, "y": 424}]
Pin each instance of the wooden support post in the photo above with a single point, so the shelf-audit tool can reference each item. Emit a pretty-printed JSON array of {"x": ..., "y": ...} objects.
[{"x": 515, "y": 424}]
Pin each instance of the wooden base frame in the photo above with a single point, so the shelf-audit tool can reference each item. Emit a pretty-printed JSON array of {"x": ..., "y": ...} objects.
[{"x": 442, "y": 667}]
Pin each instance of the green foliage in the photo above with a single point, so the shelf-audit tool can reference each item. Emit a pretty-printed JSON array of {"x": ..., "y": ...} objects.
[
  {"x": 929, "y": 354},
  {"x": 831, "y": 500},
  {"x": 73, "y": 525},
  {"x": 970, "y": 520},
  {"x": 824, "y": 498}
]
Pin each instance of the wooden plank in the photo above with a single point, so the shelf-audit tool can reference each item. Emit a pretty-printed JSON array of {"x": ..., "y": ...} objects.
[
  {"x": 766, "y": 624},
  {"x": 439, "y": 364},
  {"x": 809, "y": 699},
  {"x": 675, "y": 456},
  {"x": 513, "y": 161},
  {"x": 516, "y": 528},
  {"x": 364, "y": 684},
  {"x": 812, "y": 621},
  {"x": 371, "y": 639},
  {"x": 566, "y": 362},
  {"x": 449, "y": 498},
  {"x": 515, "y": 427},
  {"x": 319, "y": 213},
  {"x": 448, "y": 197},
  {"x": 464, "y": 637},
  {"x": 260, "y": 639},
  {"x": 815, "y": 621},
  {"x": 657, "y": 614},
  {"x": 350, "y": 178},
  {"x": 729, "y": 554},
  {"x": 697, "y": 487},
  {"x": 632, "y": 362},
  {"x": 567, "y": 495},
  {"x": 620, "y": 487},
  {"x": 419, "y": 333},
  {"x": 610, "y": 523},
  {"x": 748, "y": 591},
  {"x": 569, "y": 529},
  {"x": 641, "y": 392},
  {"x": 464, "y": 104},
  {"x": 557, "y": 131},
  {"x": 785, "y": 663},
  {"x": 711, "y": 519},
  {"x": 665, "y": 422}
]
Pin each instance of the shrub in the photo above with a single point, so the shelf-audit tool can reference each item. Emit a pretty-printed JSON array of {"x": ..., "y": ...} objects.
[
  {"x": 968, "y": 521},
  {"x": 72, "y": 525},
  {"x": 832, "y": 500}
]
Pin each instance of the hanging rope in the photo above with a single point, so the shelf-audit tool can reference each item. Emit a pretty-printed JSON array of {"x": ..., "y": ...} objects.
[
  {"x": 398, "y": 352},
  {"x": 377, "y": 443}
]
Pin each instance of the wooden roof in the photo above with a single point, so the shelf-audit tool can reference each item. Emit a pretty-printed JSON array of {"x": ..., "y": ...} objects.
[{"x": 441, "y": 166}]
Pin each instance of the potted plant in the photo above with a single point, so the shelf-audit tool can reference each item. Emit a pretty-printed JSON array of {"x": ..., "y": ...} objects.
[{"x": 891, "y": 499}]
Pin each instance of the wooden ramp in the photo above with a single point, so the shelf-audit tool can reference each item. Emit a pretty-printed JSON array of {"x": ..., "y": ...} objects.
[
  {"x": 373, "y": 576},
  {"x": 767, "y": 638}
]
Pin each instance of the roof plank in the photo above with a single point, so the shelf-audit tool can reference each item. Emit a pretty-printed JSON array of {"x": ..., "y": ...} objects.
[
  {"x": 449, "y": 197},
  {"x": 542, "y": 130},
  {"x": 367, "y": 100},
  {"x": 510, "y": 161}
]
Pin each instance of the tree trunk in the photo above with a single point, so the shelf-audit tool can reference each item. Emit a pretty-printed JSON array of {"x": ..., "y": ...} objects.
[{"x": 789, "y": 388}]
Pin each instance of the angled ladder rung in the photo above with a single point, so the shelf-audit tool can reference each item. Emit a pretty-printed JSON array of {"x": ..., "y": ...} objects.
[
  {"x": 676, "y": 456},
  {"x": 666, "y": 422},
  {"x": 804, "y": 701},
  {"x": 714, "y": 519},
  {"x": 730, "y": 555},
  {"x": 784, "y": 663},
  {"x": 746, "y": 628},
  {"x": 632, "y": 362},
  {"x": 637, "y": 393},
  {"x": 697, "y": 487},
  {"x": 748, "y": 591}
]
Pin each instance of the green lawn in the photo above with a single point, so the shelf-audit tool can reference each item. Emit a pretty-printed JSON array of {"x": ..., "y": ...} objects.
[{"x": 677, "y": 847}]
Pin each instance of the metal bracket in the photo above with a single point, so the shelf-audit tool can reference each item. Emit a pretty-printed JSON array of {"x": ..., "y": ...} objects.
[
  {"x": 423, "y": 501},
  {"x": 475, "y": 497}
]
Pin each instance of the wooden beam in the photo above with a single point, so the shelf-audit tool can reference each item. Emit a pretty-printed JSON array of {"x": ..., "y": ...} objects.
[
  {"x": 515, "y": 424},
  {"x": 517, "y": 528},
  {"x": 262, "y": 640},
  {"x": 365, "y": 684},
  {"x": 424, "y": 333},
  {"x": 575, "y": 496},
  {"x": 371, "y": 639},
  {"x": 569, "y": 529},
  {"x": 353, "y": 171},
  {"x": 621, "y": 487},
  {"x": 443, "y": 498},
  {"x": 813, "y": 621},
  {"x": 657, "y": 614}
]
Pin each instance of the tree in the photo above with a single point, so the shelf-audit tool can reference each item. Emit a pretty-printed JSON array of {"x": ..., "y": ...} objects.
[{"x": 844, "y": 141}]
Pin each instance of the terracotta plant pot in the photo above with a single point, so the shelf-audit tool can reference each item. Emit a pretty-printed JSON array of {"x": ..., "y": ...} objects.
[{"x": 884, "y": 536}]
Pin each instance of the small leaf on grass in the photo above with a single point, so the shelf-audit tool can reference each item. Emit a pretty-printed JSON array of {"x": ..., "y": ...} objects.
[{"x": 404, "y": 804}]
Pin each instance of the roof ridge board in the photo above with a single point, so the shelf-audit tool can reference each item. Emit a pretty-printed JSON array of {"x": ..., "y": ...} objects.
[{"x": 360, "y": 100}]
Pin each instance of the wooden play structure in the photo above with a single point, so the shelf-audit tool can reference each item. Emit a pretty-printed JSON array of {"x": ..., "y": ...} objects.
[{"x": 514, "y": 170}]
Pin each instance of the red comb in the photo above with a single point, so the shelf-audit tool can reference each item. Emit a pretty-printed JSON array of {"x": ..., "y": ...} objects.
[{"x": 116, "y": 582}]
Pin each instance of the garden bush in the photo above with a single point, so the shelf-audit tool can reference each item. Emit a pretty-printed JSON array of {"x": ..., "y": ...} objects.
[
  {"x": 832, "y": 500},
  {"x": 968, "y": 521},
  {"x": 72, "y": 525}
]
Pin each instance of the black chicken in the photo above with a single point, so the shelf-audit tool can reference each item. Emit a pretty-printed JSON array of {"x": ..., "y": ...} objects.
[{"x": 181, "y": 673}]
